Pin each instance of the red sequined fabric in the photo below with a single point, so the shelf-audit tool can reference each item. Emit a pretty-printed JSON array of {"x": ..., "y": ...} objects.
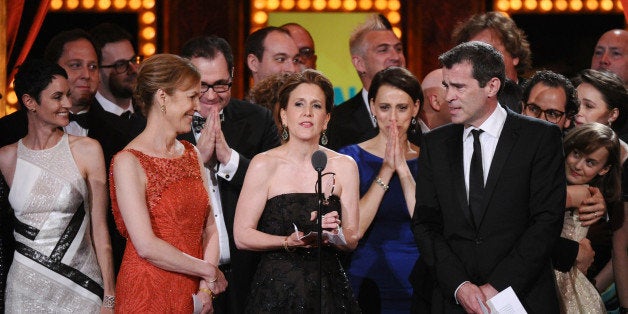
[{"x": 178, "y": 206}]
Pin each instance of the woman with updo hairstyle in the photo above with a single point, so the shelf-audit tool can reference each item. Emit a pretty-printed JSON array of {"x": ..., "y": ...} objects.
[
  {"x": 388, "y": 165},
  {"x": 160, "y": 201},
  {"x": 279, "y": 206}
]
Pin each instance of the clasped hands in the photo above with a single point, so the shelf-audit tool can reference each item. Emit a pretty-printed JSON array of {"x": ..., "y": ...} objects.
[
  {"x": 211, "y": 143},
  {"x": 330, "y": 223},
  {"x": 469, "y": 296},
  {"x": 209, "y": 288},
  {"x": 394, "y": 158}
]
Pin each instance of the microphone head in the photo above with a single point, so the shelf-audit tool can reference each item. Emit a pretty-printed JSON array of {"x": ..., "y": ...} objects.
[{"x": 319, "y": 160}]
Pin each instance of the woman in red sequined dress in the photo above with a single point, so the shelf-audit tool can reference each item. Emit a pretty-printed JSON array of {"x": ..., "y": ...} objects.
[{"x": 160, "y": 202}]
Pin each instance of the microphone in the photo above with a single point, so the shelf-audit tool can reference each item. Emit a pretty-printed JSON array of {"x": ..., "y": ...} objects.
[{"x": 319, "y": 160}]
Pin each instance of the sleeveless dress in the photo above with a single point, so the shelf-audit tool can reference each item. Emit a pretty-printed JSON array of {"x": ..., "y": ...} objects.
[
  {"x": 178, "y": 205},
  {"x": 386, "y": 254},
  {"x": 576, "y": 293},
  {"x": 54, "y": 267},
  {"x": 287, "y": 282}
]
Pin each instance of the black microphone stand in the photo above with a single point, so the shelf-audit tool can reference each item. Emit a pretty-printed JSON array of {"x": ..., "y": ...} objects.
[
  {"x": 319, "y": 162},
  {"x": 319, "y": 239}
]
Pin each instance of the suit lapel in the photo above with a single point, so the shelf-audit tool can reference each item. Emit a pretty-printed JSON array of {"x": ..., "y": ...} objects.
[
  {"x": 234, "y": 128},
  {"x": 457, "y": 172},
  {"x": 188, "y": 137},
  {"x": 506, "y": 142}
]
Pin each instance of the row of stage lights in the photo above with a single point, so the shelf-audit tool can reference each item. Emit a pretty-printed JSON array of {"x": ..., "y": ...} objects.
[
  {"x": 559, "y": 6},
  {"x": 147, "y": 38}
]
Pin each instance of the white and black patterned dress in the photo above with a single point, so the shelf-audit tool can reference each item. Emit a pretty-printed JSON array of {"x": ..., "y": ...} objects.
[{"x": 54, "y": 267}]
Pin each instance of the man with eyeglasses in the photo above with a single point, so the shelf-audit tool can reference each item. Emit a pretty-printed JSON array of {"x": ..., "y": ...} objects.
[
  {"x": 115, "y": 121},
  {"x": 228, "y": 133},
  {"x": 551, "y": 96},
  {"x": 304, "y": 41},
  {"x": 271, "y": 50}
]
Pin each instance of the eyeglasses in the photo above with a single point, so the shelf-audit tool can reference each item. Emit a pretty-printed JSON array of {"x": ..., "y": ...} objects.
[
  {"x": 551, "y": 115},
  {"x": 122, "y": 66},
  {"x": 305, "y": 53},
  {"x": 218, "y": 87}
]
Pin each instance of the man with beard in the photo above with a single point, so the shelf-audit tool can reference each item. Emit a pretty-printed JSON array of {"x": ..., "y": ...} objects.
[{"x": 116, "y": 121}]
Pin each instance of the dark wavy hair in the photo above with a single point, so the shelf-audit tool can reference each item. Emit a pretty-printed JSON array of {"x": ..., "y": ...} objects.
[
  {"x": 513, "y": 38},
  {"x": 588, "y": 138}
]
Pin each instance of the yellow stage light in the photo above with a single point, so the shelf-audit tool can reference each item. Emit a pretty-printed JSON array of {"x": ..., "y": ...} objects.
[
  {"x": 394, "y": 5},
  {"x": 148, "y": 49},
  {"x": 303, "y": 4},
  {"x": 319, "y": 5},
  {"x": 148, "y": 17},
  {"x": 516, "y": 5},
  {"x": 365, "y": 4},
  {"x": 148, "y": 4},
  {"x": 334, "y": 4},
  {"x": 287, "y": 4},
  {"x": 88, "y": 4},
  {"x": 592, "y": 5},
  {"x": 272, "y": 5},
  {"x": 350, "y": 5},
  {"x": 260, "y": 17},
  {"x": 606, "y": 5},
  {"x": 381, "y": 4},
  {"x": 530, "y": 4},
  {"x": 148, "y": 33},
  {"x": 503, "y": 5},
  {"x": 546, "y": 5},
  {"x": 104, "y": 4},
  {"x": 393, "y": 17},
  {"x": 135, "y": 4},
  {"x": 56, "y": 4},
  {"x": 259, "y": 4},
  {"x": 561, "y": 5},
  {"x": 575, "y": 5},
  {"x": 72, "y": 4}
]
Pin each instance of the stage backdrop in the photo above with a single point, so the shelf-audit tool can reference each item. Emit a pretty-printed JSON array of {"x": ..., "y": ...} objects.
[{"x": 331, "y": 37}]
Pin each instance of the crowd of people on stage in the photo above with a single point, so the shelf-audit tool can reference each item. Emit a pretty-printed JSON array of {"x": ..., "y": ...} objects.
[{"x": 137, "y": 185}]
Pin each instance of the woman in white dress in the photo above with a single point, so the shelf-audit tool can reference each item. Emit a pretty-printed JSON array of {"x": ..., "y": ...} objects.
[{"x": 62, "y": 261}]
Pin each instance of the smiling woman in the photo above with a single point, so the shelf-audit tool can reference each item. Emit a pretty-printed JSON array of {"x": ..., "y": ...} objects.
[
  {"x": 57, "y": 189},
  {"x": 159, "y": 199}
]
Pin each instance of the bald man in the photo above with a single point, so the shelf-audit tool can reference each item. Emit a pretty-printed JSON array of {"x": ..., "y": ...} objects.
[
  {"x": 434, "y": 111},
  {"x": 304, "y": 41},
  {"x": 611, "y": 53}
]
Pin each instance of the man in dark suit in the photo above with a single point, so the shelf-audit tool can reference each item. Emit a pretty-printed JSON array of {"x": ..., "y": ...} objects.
[
  {"x": 115, "y": 120},
  {"x": 480, "y": 238},
  {"x": 373, "y": 47},
  {"x": 74, "y": 51},
  {"x": 234, "y": 131}
]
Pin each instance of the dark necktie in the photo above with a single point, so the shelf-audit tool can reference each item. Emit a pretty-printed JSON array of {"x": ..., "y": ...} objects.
[
  {"x": 81, "y": 119},
  {"x": 197, "y": 123},
  {"x": 476, "y": 179},
  {"x": 126, "y": 115}
]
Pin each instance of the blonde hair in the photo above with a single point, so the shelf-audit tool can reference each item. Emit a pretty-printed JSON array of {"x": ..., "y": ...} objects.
[
  {"x": 166, "y": 72},
  {"x": 356, "y": 40}
]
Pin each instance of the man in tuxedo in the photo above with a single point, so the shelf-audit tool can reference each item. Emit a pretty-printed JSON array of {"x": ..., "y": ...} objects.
[
  {"x": 490, "y": 194},
  {"x": 373, "y": 47},
  {"x": 74, "y": 51},
  {"x": 115, "y": 121},
  {"x": 228, "y": 133},
  {"x": 305, "y": 43}
]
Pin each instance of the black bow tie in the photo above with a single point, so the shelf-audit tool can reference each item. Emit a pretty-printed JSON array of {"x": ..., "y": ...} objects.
[
  {"x": 197, "y": 123},
  {"x": 81, "y": 119}
]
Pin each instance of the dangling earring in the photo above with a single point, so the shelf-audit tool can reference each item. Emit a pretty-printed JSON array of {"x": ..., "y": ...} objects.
[
  {"x": 284, "y": 133},
  {"x": 163, "y": 108},
  {"x": 413, "y": 125},
  {"x": 324, "y": 138},
  {"x": 374, "y": 119}
]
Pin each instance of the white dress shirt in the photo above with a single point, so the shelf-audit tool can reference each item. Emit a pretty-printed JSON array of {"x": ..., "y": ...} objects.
[
  {"x": 365, "y": 97},
  {"x": 492, "y": 128},
  {"x": 109, "y": 106},
  {"x": 225, "y": 171},
  {"x": 73, "y": 128}
]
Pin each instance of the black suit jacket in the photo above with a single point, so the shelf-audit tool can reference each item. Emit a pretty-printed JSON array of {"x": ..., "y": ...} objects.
[
  {"x": 13, "y": 127},
  {"x": 351, "y": 123},
  {"x": 249, "y": 130},
  {"x": 522, "y": 216}
]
